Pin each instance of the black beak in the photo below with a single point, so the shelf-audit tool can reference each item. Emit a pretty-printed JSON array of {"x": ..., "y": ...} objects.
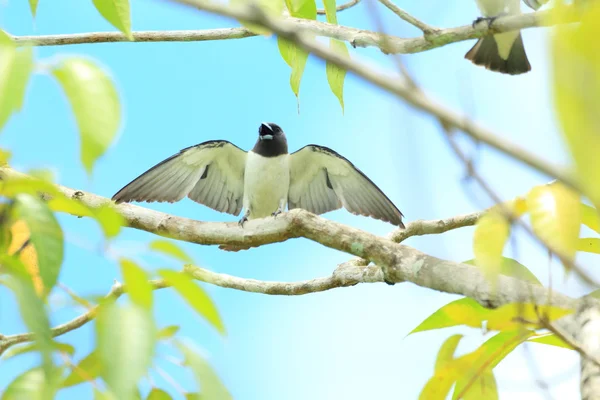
[{"x": 265, "y": 132}]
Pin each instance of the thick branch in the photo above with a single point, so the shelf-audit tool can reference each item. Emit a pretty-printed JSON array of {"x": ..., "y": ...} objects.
[{"x": 354, "y": 36}]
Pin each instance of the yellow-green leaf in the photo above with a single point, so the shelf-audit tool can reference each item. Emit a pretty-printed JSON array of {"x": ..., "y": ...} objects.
[
  {"x": 136, "y": 282},
  {"x": 158, "y": 394},
  {"x": 271, "y": 8},
  {"x": 296, "y": 58},
  {"x": 45, "y": 234},
  {"x": 171, "y": 249},
  {"x": 335, "y": 74},
  {"x": 590, "y": 245},
  {"x": 167, "y": 332},
  {"x": 491, "y": 233},
  {"x": 330, "y": 11},
  {"x": 206, "y": 377},
  {"x": 552, "y": 340},
  {"x": 511, "y": 267},
  {"x": 95, "y": 103},
  {"x": 590, "y": 218},
  {"x": 88, "y": 369},
  {"x": 29, "y": 347},
  {"x": 555, "y": 214},
  {"x": 125, "y": 341},
  {"x": 15, "y": 69},
  {"x": 117, "y": 13},
  {"x": 446, "y": 352},
  {"x": 195, "y": 296},
  {"x": 33, "y": 385},
  {"x": 514, "y": 315},
  {"x": 306, "y": 9},
  {"x": 33, "y": 6},
  {"x": 109, "y": 219},
  {"x": 459, "y": 312},
  {"x": 483, "y": 388},
  {"x": 576, "y": 83}
]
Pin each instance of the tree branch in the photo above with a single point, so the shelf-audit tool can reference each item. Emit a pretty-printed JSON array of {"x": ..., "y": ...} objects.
[
  {"x": 427, "y": 29},
  {"x": 341, "y": 7},
  {"x": 417, "y": 98}
]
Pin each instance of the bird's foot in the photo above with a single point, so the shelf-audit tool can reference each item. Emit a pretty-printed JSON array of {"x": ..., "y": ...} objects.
[
  {"x": 242, "y": 221},
  {"x": 276, "y": 213},
  {"x": 489, "y": 20}
]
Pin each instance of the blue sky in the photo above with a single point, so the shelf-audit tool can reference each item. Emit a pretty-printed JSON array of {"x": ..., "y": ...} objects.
[{"x": 346, "y": 343}]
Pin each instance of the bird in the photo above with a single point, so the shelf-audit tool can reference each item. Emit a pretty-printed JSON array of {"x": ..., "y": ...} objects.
[
  {"x": 502, "y": 52},
  {"x": 262, "y": 181}
]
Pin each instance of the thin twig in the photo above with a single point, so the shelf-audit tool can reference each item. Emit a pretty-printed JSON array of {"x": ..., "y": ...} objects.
[
  {"x": 341, "y": 7},
  {"x": 427, "y": 29}
]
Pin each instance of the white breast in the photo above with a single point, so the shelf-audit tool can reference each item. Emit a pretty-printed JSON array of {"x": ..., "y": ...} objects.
[{"x": 266, "y": 184}]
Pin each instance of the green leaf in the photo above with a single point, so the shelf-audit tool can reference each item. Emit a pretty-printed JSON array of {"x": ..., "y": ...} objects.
[
  {"x": 109, "y": 219},
  {"x": 589, "y": 245},
  {"x": 590, "y": 218},
  {"x": 210, "y": 384},
  {"x": 330, "y": 11},
  {"x": 335, "y": 74},
  {"x": 29, "y": 347},
  {"x": 552, "y": 340},
  {"x": 158, "y": 394},
  {"x": 511, "y": 267},
  {"x": 117, "y": 13},
  {"x": 46, "y": 236},
  {"x": 171, "y": 249},
  {"x": 88, "y": 369},
  {"x": 33, "y": 385},
  {"x": 95, "y": 103},
  {"x": 491, "y": 233},
  {"x": 136, "y": 282},
  {"x": 296, "y": 58},
  {"x": 195, "y": 296},
  {"x": 513, "y": 316},
  {"x": 446, "y": 352},
  {"x": 33, "y": 6},
  {"x": 576, "y": 76},
  {"x": 15, "y": 69},
  {"x": 306, "y": 9},
  {"x": 125, "y": 341},
  {"x": 271, "y": 8},
  {"x": 483, "y": 388},
  {"x": 32, "y": 309},
  {"x": 555, "y": 214},
  {"x": 167, "y": 332},
  {"x": 464, "y": 311}
]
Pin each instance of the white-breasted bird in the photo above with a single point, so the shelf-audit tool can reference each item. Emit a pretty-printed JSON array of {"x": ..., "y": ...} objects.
[
  {"x": 502, "y": 52},
  {"x": 263, "y": 181}
]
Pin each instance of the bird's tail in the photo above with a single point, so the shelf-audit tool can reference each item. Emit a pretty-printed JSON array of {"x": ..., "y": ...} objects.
[{"x": 485, "y": 53}]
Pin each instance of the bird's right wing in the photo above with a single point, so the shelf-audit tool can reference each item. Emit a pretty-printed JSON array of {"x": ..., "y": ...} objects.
[{"x": 210, "y": 173}]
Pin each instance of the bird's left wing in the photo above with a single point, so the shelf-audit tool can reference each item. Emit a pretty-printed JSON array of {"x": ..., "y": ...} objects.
[
  {"x": 210, "y": 173},
  {"x": 321, "y": 180}
]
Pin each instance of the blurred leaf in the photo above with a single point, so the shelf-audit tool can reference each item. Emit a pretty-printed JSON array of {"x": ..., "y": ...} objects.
[
  {"x": 87, "y": 370},
  {"x": 15, "y": 69},
  {"x": 109, "y": 219},
  {"x": 511, "y": 267},
  {"x": 552, "y": 340},
  {"x": 33, "y": 385},
  {"x": 555, "y": 213},
  {"x": 31, "y": 308},
  {"x": 517, "y": 206},
  {"x": 515, "y": 315},
  {"x": 136, "y": 282},
  {"x": 195, "y": 296},
  {"x": 30, "y": 347},
  {"x": 158, "y": 394},
  {"x": 483, "y": 388},
  {"x": 464, "y": 311},
  {"x": 446, "y": 352},
  {"x": 106, "y": 395},
  {"x": 576, "y": 76},
  {"x": 12, "y": 187},
  {"x": 330, "y": 11},
  {"x": 193, "y": 396},
  {"x": 5, "y": 156},
  {"x": 33, "y": 6},
  {"x": 95, "y": 103},
  {"x": 43, "y": 174},
  {"x": 167, "y": 332},
  {"x": 335, "y": 74},
  {"x": 590, "y": 245},
  {"x": 296, "y": 58},
  {"x": 589, "y": 217},
  {"x": 117, "y": 13},
  {"x": 125, "y": 341},
  {"x": 270, "y": 7},
  {"x": 171, "y": 249},
  {"x": 45, "y": 234},
  {"x": 306, "y": 9},
  {"x": 69, "y": 206},
  {"x": 210, "y": 384},
  {"x": 20, "y": 243},
  {"x": 491, "y": 233}
]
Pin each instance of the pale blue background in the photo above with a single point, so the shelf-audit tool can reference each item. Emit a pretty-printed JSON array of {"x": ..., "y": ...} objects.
[{"x": 346, "y": 343}]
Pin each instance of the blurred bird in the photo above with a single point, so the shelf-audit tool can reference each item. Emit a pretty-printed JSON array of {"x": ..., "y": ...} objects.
[
  {"x": 502, "y": 52},
  {"x": 263, "y": 181}
]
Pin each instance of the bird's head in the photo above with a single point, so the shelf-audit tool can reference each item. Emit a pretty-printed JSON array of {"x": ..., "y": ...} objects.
[{"x": 269, "y": 131}]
